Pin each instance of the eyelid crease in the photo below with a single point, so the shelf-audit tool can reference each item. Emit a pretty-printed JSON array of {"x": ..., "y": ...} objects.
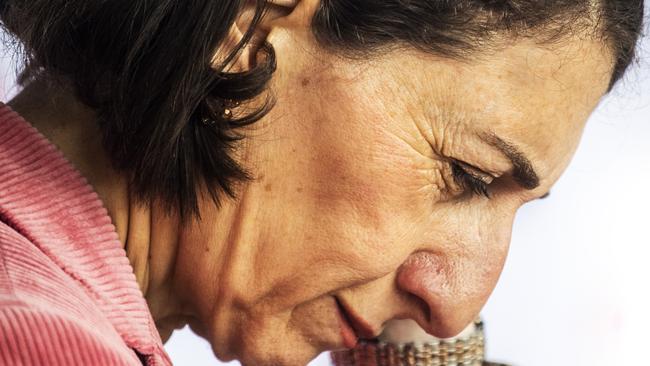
[
  {"x": 477, "y": 173},
  {"x": 523, "y": 172}
]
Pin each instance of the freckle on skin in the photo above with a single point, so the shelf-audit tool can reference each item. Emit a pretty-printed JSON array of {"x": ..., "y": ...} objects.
[
  {"x": 305, "y": 82},
  {"x": 268, "y": 187},
  {"x": 298, "y": 189}
]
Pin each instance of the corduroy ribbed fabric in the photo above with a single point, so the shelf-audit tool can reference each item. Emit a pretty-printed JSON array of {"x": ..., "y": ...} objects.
[{"x": 68, "y": 295}]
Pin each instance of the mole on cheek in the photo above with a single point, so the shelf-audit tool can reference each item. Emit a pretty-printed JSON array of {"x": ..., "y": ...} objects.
[
  {"x": 268, "y": 187},
  {"x": 305, "y": 82}
]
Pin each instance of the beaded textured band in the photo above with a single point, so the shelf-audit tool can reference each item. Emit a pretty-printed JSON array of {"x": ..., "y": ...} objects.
[{"x": 466, "y": 351}]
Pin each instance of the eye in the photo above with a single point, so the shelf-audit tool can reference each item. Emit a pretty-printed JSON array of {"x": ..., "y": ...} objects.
[{"x": 471, "y": 179}]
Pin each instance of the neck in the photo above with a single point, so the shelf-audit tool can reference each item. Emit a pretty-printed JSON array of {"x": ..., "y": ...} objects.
[{"x": 150, "y": 236}]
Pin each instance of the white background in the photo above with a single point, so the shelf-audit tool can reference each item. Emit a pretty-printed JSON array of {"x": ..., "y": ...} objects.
[{"x": 574, "y": 290}]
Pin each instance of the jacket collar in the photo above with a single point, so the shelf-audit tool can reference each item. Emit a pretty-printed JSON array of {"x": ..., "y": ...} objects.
[{"x": 48, "y": 201}]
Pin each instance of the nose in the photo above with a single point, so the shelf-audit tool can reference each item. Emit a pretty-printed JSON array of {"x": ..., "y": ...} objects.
[{"x": 452, "y": 289}]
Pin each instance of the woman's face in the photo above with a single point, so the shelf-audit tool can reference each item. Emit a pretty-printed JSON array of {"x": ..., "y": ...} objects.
[{"x": 368, "y": 191}]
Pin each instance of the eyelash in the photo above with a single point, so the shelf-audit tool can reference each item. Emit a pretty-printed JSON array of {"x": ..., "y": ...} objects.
[{"x": 469, "y": 182}]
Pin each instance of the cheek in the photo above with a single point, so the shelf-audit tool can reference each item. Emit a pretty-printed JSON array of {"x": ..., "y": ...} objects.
[
  {"x": 351, "y": 221},
  {"x": 346, "y": 201},
  {"x": 351, "y": 218},
  {"x": 371, "y": 199}
]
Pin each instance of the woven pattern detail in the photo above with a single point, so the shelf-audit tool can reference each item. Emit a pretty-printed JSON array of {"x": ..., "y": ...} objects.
[{"x": 467, "y": 351}]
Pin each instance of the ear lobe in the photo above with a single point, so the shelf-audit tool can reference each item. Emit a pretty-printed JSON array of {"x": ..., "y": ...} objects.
[{"x": 245, "y": 59}]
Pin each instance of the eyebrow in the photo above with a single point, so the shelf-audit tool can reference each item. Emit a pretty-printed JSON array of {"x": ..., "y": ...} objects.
[{"x": 523, "y": 172}]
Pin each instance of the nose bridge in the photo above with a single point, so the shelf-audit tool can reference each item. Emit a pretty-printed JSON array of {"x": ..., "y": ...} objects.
[{"x": 457, "y": 270}]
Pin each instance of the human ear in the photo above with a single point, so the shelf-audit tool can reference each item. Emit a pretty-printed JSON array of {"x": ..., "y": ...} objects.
[{"x": 253, "y": 24}]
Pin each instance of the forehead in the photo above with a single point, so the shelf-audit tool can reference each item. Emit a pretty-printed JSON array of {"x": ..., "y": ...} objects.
[{"x": 536, "y": 97}]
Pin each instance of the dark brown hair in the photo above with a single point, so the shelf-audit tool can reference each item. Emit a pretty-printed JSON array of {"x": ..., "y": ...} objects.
[{"x": 146, "y": 66}]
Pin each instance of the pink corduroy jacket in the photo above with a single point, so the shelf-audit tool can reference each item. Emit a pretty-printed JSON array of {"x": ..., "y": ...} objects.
[{"x": 68, "y": 295}]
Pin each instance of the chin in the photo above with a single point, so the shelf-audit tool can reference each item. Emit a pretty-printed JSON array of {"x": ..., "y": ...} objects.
[
  {"x": 268, "y": 350},
  {"x": 285, "y": 359},
  {"x": 277, "y": 352},
  {"x": 290, "y": 338}
]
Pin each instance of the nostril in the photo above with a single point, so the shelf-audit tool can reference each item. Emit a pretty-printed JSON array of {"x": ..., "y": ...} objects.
[
  {"x": 422, "y": 277},
  {"x": 423, "y": 310}
]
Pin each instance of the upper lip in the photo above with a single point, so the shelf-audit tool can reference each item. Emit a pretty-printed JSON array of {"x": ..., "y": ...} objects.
[{"x": 362, "y": 328}]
